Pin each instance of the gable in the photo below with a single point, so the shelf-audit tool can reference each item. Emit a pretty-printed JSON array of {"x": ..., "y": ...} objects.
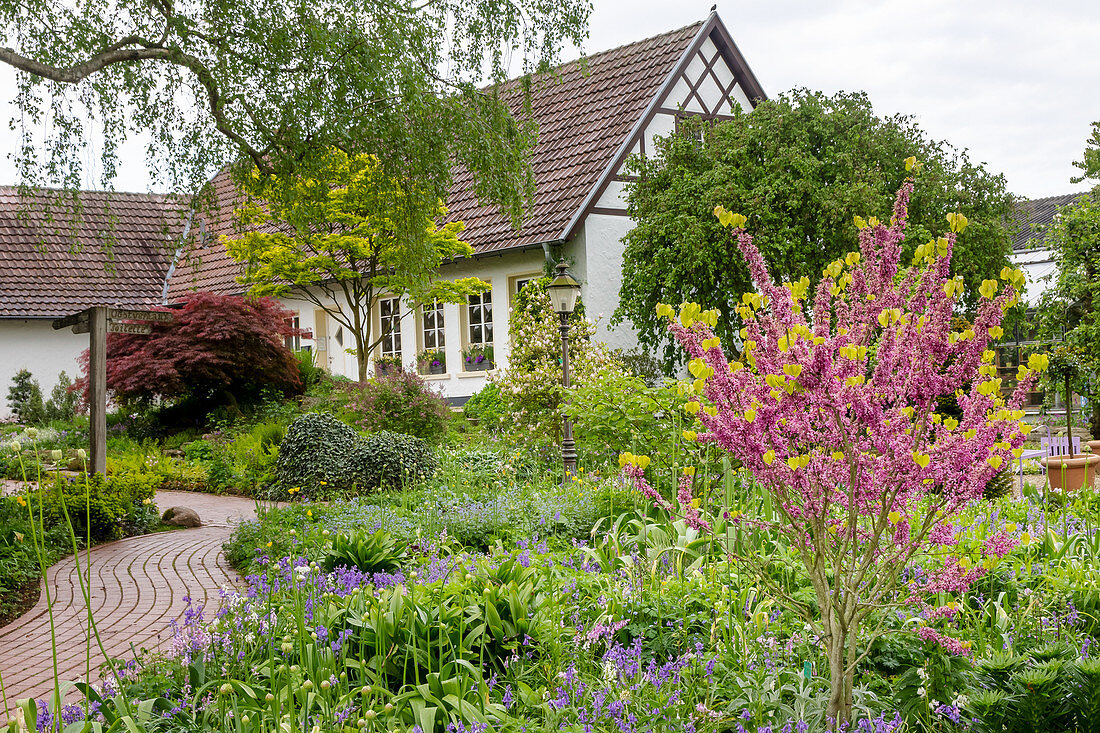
[{"x": 708, "y": 81}]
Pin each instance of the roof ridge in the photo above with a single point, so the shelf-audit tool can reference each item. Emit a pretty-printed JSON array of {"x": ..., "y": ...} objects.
[
  {"x": 622, "y": 46},
  {"x": 14, "y": 189}
]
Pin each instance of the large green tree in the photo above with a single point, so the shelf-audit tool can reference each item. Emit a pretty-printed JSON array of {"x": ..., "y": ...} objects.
[
  {"x": 263, "y": 82},
  {"x": 328, "y": 237},
  {"x": 1071, "y": 305},
  {"x": 804, "y": 164}
]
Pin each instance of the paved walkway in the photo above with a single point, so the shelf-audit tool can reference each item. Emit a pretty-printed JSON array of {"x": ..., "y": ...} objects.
[{"x": 137, "y": 588}]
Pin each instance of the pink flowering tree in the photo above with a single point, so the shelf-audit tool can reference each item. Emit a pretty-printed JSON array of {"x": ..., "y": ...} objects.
[{"x": 831, "y": 404}]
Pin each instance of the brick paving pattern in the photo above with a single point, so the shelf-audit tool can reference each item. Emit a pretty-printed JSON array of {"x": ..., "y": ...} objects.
[{"x": 137, "y": 588}]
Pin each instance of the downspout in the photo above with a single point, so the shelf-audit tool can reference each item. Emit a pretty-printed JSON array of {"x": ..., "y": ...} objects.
[{"x": 176, "y": 257}]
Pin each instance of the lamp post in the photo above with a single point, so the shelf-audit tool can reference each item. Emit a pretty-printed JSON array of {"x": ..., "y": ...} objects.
[{"x": 563, "y": 291}]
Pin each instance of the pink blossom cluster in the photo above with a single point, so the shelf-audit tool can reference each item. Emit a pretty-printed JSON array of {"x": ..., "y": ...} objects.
[
  {"x": 1000, "y": 544},
  {"x": 636, "y": 475},
  {"x": 691, "y": 515},
  {"x": 943, "y": 534},
  {"x": 951, "y": 577},
  {"x": 952, "y": 645}
]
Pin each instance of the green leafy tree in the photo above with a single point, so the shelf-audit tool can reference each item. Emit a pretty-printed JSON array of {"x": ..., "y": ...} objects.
[
  {"x": 329, "y": 237},
  {"x": 804, "y": 164},
  {"x": 1072, "y": 303},
  {"x": 266, "y": 81}
]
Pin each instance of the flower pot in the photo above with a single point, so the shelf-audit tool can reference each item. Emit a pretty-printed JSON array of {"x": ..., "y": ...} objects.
[
  {"x": 437, "y": 369},
  {"x": 1070, "y": 474},
  {"x": 1094, "y": 446},
  {"x": 479, "y": 366}
]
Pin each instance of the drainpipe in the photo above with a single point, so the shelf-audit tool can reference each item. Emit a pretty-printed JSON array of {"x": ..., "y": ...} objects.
[{"x": 176, "y": 256}]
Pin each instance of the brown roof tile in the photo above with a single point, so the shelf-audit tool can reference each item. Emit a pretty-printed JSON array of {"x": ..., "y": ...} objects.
[
  {"x": 116, "y": 254},
  {"x": 583, "y": 116}
]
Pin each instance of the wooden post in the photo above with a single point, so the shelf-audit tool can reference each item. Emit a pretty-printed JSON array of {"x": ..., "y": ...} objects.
[
  {"x": 97, "y": 322},
  {"x": 97, "y": 384}
]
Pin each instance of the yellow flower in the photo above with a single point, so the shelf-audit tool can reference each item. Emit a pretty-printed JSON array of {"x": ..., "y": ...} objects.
[
  {"x": 690, "y": 436},
  {"x": 324, "y": 483}
]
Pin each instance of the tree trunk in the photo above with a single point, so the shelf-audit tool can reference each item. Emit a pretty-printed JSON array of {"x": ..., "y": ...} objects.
[
  {"x": 362, "y": 357},
  {"x": 1069, "y": 418},
  {"x": 839, "y": 709}
]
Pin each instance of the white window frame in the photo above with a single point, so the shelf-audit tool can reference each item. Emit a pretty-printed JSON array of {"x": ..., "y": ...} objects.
[
  {"x": 481, "y": 305},
  {"x": 438, "y": 330},
  {"x": 390, "y": 344}
]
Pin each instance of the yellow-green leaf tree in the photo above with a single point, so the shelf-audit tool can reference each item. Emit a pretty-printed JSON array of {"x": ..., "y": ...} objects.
[{"x": 332, "y": 238}]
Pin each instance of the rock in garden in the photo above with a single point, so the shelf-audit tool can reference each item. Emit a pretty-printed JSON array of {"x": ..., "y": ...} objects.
[{"x": 181, "y": 516}]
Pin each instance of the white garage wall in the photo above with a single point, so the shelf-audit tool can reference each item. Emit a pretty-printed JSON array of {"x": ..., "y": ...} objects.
[{"x": 34, "y": 345}]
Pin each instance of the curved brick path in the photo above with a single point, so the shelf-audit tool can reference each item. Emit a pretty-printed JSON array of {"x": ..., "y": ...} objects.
[{"x": 138, "y": 585}]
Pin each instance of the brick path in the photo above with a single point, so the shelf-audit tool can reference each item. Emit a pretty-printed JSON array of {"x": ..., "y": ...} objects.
[{"x": 137, "y": 588}]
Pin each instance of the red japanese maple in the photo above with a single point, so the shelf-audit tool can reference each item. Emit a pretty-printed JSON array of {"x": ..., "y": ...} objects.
[{"x": 217, "y": 345}]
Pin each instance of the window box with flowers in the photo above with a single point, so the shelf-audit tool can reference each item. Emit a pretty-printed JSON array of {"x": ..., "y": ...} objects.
[
  {"x": 387, "y": 365},
  {"x": 478, "y": 358},
  {"x": 432, "y": 361}
]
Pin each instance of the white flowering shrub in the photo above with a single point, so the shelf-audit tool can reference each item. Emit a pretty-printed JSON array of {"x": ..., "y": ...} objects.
[{"x": 531, "y": 387}]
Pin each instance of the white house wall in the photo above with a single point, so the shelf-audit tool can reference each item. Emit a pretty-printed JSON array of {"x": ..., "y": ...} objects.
[
  {"x": 1037, "y": 265},
  {"x": 500, "y": 271},
  {"x": 602, "y": 275},
  {"x": 35, "y": 346}
]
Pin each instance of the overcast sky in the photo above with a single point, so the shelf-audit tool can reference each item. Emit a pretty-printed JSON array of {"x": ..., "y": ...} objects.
[{"x": 1016, "y": 82}]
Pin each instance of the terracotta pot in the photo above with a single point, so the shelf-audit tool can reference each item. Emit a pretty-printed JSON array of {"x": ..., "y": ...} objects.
[
  {"x": 1076, "y": 472},
  {"x": 1094, "y": 446}
]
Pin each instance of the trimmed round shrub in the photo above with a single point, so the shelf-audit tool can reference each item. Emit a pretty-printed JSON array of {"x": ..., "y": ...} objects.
[
  {"x": 316, "y": 448},
  {"x": 390, "y": 460}
]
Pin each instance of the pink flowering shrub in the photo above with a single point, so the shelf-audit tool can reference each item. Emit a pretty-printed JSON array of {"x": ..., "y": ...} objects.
[{"x": 831, "y": 404}]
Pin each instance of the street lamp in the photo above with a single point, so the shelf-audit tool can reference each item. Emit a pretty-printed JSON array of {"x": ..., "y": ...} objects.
[{"x": 563, "y": 291}]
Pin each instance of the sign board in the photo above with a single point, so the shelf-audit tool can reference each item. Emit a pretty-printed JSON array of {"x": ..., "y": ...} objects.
[
  {"x": 124, "y": 314},
  {"x": 113, "y": 327}
]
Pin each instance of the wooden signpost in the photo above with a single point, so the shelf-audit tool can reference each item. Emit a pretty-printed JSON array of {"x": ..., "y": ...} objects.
[{"x": 97, "y": 322}]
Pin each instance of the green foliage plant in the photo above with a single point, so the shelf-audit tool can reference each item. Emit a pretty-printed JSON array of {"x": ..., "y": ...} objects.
[
  {"x": 801, "y": 163},
  {"x": 401, "y": 402},
  {"x": 329, "y": 236},
  {"x": 25, "y": 398},
  {"x": 531, "y": 387},
  {"x": 63, "y": 402},
  {"x": 389, "y": 460},
  {"x": 378, "y": 552}
]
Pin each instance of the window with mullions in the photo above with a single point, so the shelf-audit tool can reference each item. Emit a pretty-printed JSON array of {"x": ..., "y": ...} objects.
[
  {"x": 390, "y": 311},
  {"x": 479, "y": 319},
  {"x": 433, "y": 334}
]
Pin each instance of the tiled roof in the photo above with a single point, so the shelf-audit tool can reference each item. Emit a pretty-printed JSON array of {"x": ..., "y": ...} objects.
[
  {"x": 583, "y": 117},
  {"x": 583, "y": 114},
  {"x": 117, "y": 253},
  {"x": 1037, "y": 214}
]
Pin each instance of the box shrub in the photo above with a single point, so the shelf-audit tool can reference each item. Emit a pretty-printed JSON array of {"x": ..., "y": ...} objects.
[
  {"x": 316, "y": 449},
  {"x": 116, "y": 505},
  {"x": 390, "y": 460}
]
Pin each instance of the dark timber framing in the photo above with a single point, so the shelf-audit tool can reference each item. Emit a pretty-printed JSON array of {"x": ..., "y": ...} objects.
[{"x": 715, "y": 30}]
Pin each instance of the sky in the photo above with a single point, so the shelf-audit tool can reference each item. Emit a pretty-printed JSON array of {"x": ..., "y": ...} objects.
[{"x": 1016, "y": 83}]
